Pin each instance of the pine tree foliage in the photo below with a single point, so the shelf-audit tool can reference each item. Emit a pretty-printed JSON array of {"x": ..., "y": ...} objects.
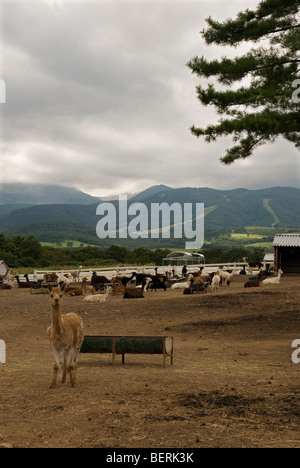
[{"x": 256, "y": 99}]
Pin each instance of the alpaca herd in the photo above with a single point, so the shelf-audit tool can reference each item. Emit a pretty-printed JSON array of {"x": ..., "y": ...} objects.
[
  {"x": 66, "y": 333},
  {"x": 135, "y": 283}
]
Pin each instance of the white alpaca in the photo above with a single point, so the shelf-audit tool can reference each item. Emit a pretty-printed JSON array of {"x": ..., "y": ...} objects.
[
  {"x": 215, "y": 284},
  {"x": 100, "y": 298},
  {"x": 184, "y": 285},
  {"x": 227, "y": 277},
  {"x": 275, "y": 280},
  {"x": 63, "y": 279}
]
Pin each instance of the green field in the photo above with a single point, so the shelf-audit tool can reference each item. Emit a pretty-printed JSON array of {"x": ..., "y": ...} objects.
[
  {"x": 263, "y": 245},
  {"x": 240, "y": 236},
  {"x": 245, "y": 237},
  {"x": 67, "y": 244}
]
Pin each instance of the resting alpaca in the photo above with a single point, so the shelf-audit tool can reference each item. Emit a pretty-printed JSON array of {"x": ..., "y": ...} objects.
[
  {"x": 66, "y": 336},
  {"x": 99, "y": 297},
  {"x": 71, "y": 292},
  {"x": 252, "y": 284},
  {"x": 183, "y": 285},
  {"x": 275, "y": 280}
]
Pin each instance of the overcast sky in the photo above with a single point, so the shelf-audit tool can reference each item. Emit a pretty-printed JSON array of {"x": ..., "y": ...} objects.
[{"x": 99, "y": 97}]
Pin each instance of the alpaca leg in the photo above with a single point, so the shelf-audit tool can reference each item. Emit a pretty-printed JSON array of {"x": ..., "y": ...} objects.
[
  {"x": 56, "y": 367},
  {"x": 72, "y": 367},
  {"x": 64, "y": 370},
  {"x": 75, "y": 355},
  {"x": 72, "y": 372},
  {"x": 67, "y": 357}
]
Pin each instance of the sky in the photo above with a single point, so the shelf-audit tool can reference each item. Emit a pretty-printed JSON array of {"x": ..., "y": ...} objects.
[{"x": 99, "y": 97}]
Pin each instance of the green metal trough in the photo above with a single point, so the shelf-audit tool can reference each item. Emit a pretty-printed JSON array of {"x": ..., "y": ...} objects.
[{"x": 102, "y": 344}]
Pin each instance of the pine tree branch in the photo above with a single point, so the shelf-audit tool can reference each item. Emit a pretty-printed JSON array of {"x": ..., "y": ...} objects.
[
  {"x": 271, "y": 17},
  {"x": 255, "y": 96},
  {"x": 287, "y": 28},
  {"x": 271, "y": 72},
  {"x": 229, "y": 71},
  {"x": 259, "y": 127},
  {"x": 243, "y": 150}
]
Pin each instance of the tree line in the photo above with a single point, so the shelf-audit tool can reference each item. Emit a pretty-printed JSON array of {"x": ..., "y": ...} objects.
[{"x": 27, "y": 252}]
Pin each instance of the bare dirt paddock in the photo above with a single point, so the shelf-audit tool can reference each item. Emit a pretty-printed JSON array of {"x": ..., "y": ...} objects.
[{"x": 233, "y": 383}]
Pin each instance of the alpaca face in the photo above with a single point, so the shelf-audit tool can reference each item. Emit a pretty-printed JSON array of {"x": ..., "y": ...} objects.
[{"x": 56, "y": 297}]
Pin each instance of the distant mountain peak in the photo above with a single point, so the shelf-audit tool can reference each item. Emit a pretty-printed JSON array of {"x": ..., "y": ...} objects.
[
  {"x": 37, "y": 194},
  {"x": 150, "y": 192}
]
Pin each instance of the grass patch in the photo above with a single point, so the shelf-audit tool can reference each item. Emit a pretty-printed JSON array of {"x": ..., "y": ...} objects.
[
  {"x": 264, "y": 245},
  {"x": 240, "y": 236},
  {"x": 67, "y": 244}
]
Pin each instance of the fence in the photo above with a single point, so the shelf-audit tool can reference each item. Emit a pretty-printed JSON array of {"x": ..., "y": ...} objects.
[{"x": 120, "y": 271}]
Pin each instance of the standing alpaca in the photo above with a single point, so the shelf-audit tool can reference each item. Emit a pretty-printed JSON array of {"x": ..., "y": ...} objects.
[
  {"x": 66, "y": 337},
  {"x": 23, "y": 284},
  {"x": 76, "y": 274},
  {"x": 215, "y": 284}
]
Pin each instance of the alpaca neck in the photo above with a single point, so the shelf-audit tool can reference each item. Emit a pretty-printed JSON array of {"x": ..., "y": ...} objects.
[{"x": 56, "y": 320}]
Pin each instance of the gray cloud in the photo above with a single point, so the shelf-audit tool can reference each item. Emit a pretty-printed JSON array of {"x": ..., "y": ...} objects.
[{"x": 98, "y": 96}]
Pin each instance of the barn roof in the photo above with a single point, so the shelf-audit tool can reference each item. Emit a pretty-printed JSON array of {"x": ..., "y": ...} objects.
[
  {"x": 269, "y": 257},
  {"x": 287, "y": 240}
]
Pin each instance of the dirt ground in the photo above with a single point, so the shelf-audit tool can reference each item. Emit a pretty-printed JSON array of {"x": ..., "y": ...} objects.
[{"x": 233, "y": 383}]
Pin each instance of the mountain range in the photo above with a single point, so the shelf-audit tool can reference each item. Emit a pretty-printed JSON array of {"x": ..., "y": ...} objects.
[
  {"x": 54, "y": 213},
  {"x": 29, "y": 194}
]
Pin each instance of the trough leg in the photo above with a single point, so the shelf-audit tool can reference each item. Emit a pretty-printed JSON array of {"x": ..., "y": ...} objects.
[{"x": 114, "y": 351}]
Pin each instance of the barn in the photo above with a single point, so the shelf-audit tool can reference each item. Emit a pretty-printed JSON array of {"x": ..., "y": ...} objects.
[{"x": 287, "y": 252}]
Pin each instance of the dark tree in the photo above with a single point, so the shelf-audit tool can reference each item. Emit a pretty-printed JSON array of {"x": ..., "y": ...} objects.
[{"x": 261, "y": 100}]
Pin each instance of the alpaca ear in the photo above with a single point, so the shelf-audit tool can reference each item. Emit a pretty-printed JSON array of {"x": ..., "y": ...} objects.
[{"x": 49, "y": 288}]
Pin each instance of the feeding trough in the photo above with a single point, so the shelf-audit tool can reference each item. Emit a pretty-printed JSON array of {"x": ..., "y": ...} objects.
[
  {"x": 2, "y": 352},
  {"x": 128, "y": 345}
]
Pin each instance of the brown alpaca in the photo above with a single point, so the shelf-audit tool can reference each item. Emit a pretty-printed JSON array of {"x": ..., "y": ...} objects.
[
  {"x": 127, "y": 293},
  {"x": 252, "y": 284},
  {"x": 118, "y": 288},
  {"x": 198, "y": 279},
  {"x": 71, "y": 292},
  {"x": 66, "y": 337}
]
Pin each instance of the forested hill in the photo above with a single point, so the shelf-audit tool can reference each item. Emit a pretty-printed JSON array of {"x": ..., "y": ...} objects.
[
  {"x": 35, "y": 194},
  {"x": 229, "y": 209}
]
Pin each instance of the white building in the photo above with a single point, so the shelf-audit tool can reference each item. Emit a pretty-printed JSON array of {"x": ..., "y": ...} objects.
[{"x": 3, "y": 268}]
